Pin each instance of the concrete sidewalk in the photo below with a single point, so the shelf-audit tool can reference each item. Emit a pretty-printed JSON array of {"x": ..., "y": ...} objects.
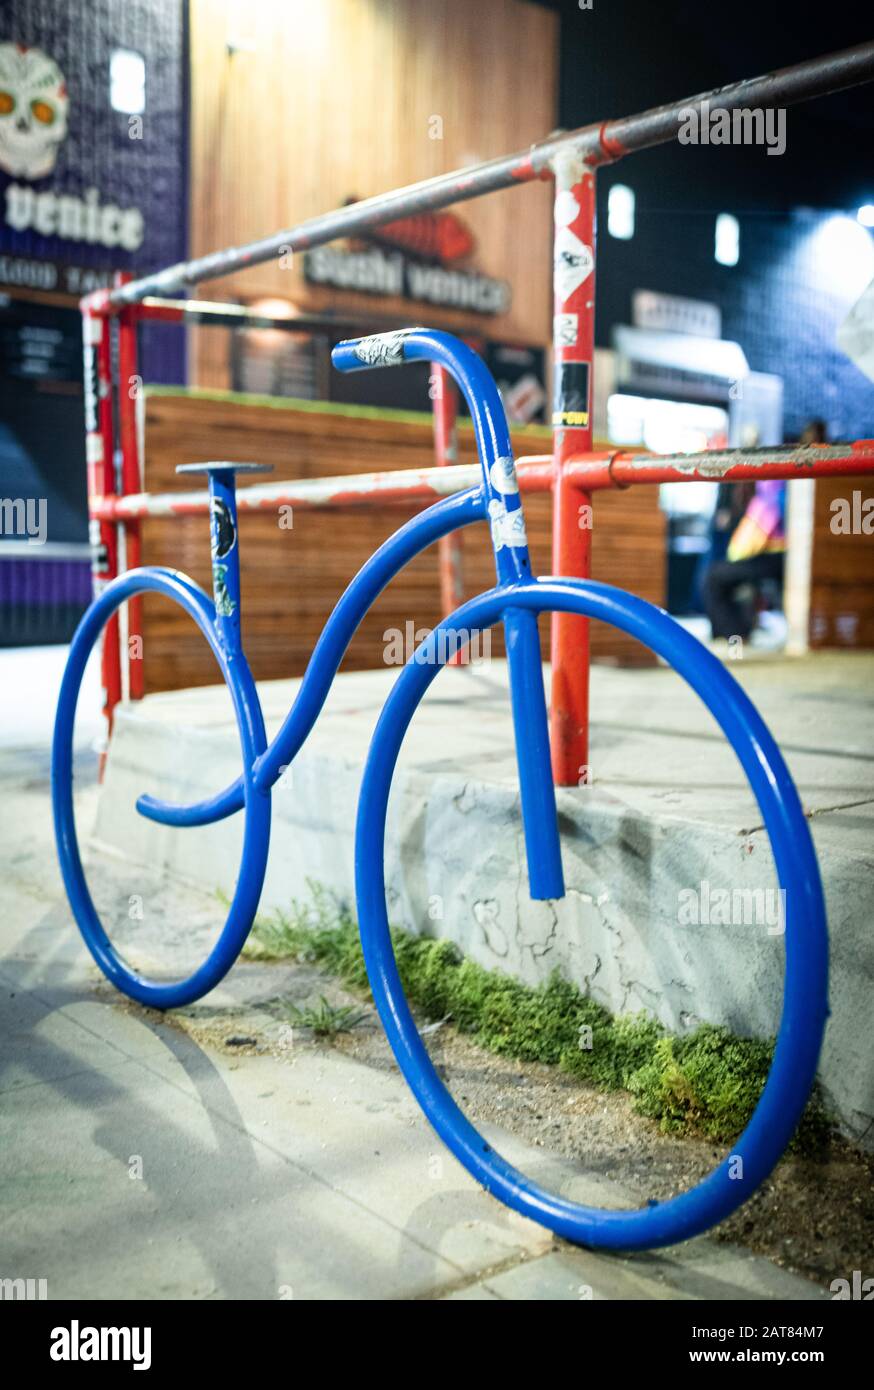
[{"x": 136, "y": 1163}]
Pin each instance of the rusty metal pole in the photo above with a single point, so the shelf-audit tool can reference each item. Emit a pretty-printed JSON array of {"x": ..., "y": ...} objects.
[
  {"x": 572, "y": 363},
  {"x": 594, "y": 472},
  {"x": 450, "y": 552},
  {"x": 99, "y": 453},
  {"x": 833, "y": 72},
  {"x": 129, "y": 386}
]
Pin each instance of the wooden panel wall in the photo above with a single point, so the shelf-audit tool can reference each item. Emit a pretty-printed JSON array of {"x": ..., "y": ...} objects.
[
  {"x": 842, "y": 567},
  {"x": 339, "y": 99},
  {"x": 291, "y": 579}
]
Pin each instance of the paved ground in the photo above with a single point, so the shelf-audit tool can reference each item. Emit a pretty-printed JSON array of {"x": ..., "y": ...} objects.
[{"x": 136, "y": 1162}]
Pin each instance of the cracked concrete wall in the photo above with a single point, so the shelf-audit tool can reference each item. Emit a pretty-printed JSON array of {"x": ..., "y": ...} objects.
[{"x": 456, "y": 868}]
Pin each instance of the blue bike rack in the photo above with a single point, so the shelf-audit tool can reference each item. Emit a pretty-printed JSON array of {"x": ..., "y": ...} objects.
[{"x": 515, "y": 602}]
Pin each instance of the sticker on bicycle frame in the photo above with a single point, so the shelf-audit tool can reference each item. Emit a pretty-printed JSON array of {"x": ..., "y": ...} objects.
[
  {"x": 565, "y": 330},
  {"x": 384, "y": 349},
  {"x": 571, "y": 401},
  {"x": 572, "y": 265},
  {"x": 502, "y": 475},
  {"x": 223, "y": 538},
  {"x": 508, "y": 528},
  {"x": 224, "y": 533}
]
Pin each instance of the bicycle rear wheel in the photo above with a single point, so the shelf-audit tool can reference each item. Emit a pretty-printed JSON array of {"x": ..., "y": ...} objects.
[
  {"x": 250, "y": 724},
  {"x": 805, "y": 1005}
]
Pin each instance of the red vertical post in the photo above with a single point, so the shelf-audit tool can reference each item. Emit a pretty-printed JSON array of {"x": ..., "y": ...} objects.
[
  {"x": 573, "y": 353},
  {"x": 450, "y": 553},
  {"x": 99, "y": 446},
  {"x": 129, "y": 386}
]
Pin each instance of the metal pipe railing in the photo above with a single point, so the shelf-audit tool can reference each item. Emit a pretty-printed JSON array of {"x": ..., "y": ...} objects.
[
  {"x": 595, "y": 472},
  {"x": 598, "y": 143},
  {"x": 573, "y": 471}
]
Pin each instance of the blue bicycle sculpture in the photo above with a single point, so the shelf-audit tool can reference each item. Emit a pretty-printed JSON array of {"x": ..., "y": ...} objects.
[{"x": 515, "y": 601}]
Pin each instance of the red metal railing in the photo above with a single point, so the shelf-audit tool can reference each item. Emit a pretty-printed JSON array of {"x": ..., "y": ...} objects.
[
  {"x": 593, "y": 472},
  {"x": 573, "y": 472}
]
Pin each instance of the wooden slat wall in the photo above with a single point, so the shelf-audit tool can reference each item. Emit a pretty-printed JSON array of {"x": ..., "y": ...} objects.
[
  {"x": 842, "y": 570},
  {"x": 338, "y": 99},
  {"x": 292, "y": 578}
]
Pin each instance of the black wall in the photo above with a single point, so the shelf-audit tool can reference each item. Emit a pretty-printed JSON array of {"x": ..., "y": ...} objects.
[{"x": 785, "y": 298}]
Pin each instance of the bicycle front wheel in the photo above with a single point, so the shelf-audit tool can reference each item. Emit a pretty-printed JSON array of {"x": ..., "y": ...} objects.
[
  {"x": 250, "y": 725},
  {"x": 805, "y": 1005}
]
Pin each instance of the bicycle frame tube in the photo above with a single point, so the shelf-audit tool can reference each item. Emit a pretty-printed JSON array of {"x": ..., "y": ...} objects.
[
  {"x": 512, "y": 566},
  {"x": 501, "y": 488},
  {"x": 446, "y": 516},
  {"x": 531, "y": 731},
  {"x": 225, "y": 556}
]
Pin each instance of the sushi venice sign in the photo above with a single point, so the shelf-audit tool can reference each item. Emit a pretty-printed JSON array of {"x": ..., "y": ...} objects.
[
  {"x": 414, "y": 258},
  {"x": 34, "y": 109}
]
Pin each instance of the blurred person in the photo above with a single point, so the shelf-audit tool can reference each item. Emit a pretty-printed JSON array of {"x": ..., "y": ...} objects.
[
  {"x": 756, "y": 554},
  {"x": 814, "y": 432},
  {"x": 731, "y": 503}
]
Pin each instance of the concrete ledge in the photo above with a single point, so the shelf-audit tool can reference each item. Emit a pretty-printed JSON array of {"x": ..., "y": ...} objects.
[{"x": 668, "y": 826}]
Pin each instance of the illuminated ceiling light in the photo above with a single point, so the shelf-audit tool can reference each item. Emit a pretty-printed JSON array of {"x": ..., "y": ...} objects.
[
  {"x": 843, "y": 255},
  {"x": 726, "y": 246},
  {"x": 865, "y": 215},
  {"x": 127, "y": 82},
  {"x": 274, "y": 308},
  {"x": 620, "y": 212}
]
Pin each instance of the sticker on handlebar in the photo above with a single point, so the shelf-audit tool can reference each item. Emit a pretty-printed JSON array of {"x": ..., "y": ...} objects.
[
  {"x": 384, "y": 349},
  {"x": 503, "y": 476}
]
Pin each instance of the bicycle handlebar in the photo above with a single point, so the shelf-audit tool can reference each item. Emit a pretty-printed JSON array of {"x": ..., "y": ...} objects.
[
  {"x": 377, "y": 350},
  {"x": 477, "y": 385}
]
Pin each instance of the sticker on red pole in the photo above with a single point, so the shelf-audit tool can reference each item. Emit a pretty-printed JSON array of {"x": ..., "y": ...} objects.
[
  {"x": 573, "y": 260},
  {"x": 573, "y": 264},
  {"x": 566, "y": 330},
  {"x": 571, "y": 399}
]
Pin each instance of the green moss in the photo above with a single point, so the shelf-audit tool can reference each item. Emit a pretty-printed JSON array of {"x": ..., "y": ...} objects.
[
  {"x": 706, "y": 1083},
  {"x": 711, "y": 1081}
]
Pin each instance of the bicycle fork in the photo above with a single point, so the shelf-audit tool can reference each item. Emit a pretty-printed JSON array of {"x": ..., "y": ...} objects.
[{"x": 531, "y": 730}]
